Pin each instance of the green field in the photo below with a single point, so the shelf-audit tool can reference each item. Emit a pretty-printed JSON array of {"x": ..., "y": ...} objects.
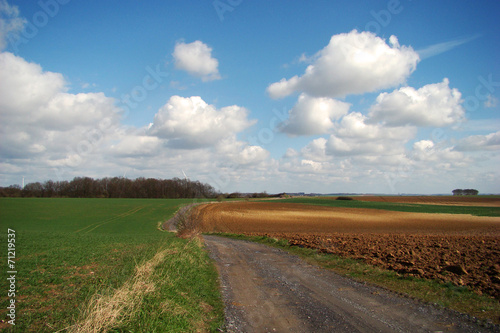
[
  {"x": 82, "y": 263},
  {"x": 400, "y": 207}
]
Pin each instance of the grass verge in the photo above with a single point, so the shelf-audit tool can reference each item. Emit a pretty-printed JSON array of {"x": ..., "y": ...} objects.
[{"x": 447, "y": 295}]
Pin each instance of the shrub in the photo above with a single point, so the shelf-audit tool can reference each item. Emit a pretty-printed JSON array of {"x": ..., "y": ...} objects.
[{"x": 344, "y": 198}]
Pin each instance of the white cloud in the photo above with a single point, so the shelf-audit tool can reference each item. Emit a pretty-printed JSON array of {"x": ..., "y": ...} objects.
[
  {"x": 480, "y": 142},
  {"x": 136, "y": 145},
  {"x": 432, "y": 105},
  {"x": 435, "y": 159},
  {"x": 315, "y": 150},
  {"x": 189, "y": 122},
  {"x": 423, "y": 150},
  {"x": 316, "y": 166},
  {"x": 10, "y": 22},
  {"x": 338, "y": 146},
  {"x": 66, "y": 111},
  {"x": 352, "y": 63},
  {"x": 290, "y": 153},
  {"x": 25, "y": 86},
  {"x": 352, "y": 136},
  {"x": 48, "y": 133},
  {"x": 196, "y": 59},
  {"x": 313, "y": 115},
  {"x": 436, "y": 49},
  {"x": 357, "y": 126},
  {"x": 38, "y": 117},
  {"x": 240, "y": 153},
  {"x": 423, "y": 145},
  {"x": 251, "y": 155}
]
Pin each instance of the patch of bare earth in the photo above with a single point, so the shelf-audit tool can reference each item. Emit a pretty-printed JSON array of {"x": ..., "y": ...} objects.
[{"x": 461, "y": 249}]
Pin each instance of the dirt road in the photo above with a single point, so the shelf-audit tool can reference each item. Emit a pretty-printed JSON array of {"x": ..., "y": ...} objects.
[{"x": 268, "y": 290}]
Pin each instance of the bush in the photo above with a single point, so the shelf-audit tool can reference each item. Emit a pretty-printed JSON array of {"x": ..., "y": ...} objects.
[
  {"x": 344, "y": 198},
  {"x": 186, "y": 221}
]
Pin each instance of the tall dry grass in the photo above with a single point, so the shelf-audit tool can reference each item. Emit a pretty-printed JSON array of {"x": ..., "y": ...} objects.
[{"x": 107, "y": 311}]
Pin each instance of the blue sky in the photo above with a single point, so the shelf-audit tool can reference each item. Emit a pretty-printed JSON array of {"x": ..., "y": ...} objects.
[{"x": 361, "y": 96}]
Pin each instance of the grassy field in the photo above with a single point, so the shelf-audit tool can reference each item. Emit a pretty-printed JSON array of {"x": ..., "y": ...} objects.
[
  {"x": 85, "y": 264},
  {"x": 400, "y": 207}
]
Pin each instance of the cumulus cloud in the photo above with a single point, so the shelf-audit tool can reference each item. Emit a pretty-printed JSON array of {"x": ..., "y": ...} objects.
[
  {"x": 136, "y": 145},
  {"x": 354, "y": 147},
  {"x": 38, "y": 116},
  {"x": 25, "y": 86},
  {"x": 196, "y": 59},
  {"x": 428, "y": 155},
  {"x": 240, "y": 153},
  {"x": 480, "y": 142},
  {"x": 432, "y": 105},
  {"x": 423, "y": 150},
  {"x": 356, "y": 125},
  {"x": 354, "y": 136},
  {"x": 352, "y": 63},
  {"x": 316, "y": 166},
  {"x": 313, "y": 115},
  {"x": 10, "y": 22},
  {"x": 189, "y": 122},
  {"x": 48, "y": 133},
  {"x": 315, "y": 150}
]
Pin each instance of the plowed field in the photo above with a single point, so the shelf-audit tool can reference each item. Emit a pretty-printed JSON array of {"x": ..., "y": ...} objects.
[{"x": 462, "y": 249}]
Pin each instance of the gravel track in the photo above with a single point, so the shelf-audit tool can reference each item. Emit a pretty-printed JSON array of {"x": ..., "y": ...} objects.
[{"x": 268, "y": 290}]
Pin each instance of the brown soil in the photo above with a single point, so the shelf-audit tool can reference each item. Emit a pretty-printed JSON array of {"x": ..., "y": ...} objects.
[{"x": 461, "y": 249}]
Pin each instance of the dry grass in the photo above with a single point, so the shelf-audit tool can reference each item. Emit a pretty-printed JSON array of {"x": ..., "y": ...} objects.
[
  {"x": 107, "y": 311},
  {"x": 187, "y": 221}
]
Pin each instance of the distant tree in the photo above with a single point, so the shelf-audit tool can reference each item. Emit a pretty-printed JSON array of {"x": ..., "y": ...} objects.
[
  {"x": 471, "y": 192},
  {"x": 33, "y": 190},
  {"x": 465, "y": 192},
  {"x": 260, "y": 195},
  {"x": 11, "y": 191},
  {"x": 117, "y": 187},
  {"x": 50, "y": 189}
]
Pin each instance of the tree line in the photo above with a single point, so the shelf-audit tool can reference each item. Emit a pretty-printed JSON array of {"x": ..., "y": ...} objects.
[
  {"x": 116, "y": 187},
  {"x": 465, "y": 192}
]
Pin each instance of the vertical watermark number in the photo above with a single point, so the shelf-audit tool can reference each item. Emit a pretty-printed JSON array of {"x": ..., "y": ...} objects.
[{"x": 11, "y": 273}]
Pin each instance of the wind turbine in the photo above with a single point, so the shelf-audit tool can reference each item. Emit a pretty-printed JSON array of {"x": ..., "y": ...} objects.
[{"x": 185, "y": 177}]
